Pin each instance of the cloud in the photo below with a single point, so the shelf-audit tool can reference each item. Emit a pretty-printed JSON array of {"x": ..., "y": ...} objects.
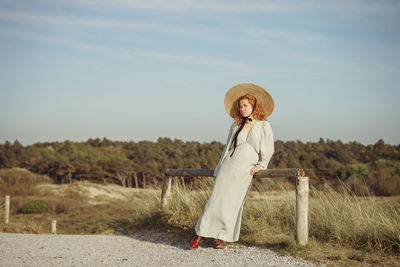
[
  {"x": 296, "y": 38},
  {"x": 159, "y": 56},
  {"x": 345, "y": 8},
  {"x": 31, "y": 36},
  {"x": 184, "y": 5},
  {"x": 191, "y": 31},
  {"x": 23, "y": 17}
]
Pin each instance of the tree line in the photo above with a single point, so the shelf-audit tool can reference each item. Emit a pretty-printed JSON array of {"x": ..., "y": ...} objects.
[{"x": 374, "y": 167}]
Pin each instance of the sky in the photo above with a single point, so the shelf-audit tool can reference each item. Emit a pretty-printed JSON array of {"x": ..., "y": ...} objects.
[{"x": 140, "y": 70}]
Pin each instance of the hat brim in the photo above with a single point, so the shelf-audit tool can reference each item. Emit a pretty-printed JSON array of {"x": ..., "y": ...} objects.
[{"x": 241, "y": 89}]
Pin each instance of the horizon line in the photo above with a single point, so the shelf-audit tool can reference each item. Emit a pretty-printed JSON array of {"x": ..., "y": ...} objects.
[{"x": 129, "y": 139}]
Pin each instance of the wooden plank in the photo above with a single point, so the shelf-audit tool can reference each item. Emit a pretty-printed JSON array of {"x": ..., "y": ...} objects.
[
  {"x": 270, "y": 173},
  {"x": 189, "y": 172}
]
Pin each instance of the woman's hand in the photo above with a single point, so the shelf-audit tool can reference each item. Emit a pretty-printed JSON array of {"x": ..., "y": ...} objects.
[{"x": 254, "y": 170}]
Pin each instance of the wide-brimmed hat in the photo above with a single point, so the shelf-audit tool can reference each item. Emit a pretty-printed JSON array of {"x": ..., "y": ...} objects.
[{"x": 255, "y": 90}]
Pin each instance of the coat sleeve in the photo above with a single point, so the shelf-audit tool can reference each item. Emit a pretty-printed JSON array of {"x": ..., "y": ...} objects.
[
  {"x": 266, "y": 146},
  {"x": 226, "y": 149}
]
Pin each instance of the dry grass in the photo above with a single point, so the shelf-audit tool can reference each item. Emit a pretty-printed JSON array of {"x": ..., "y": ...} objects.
[
  {"x": 20, "y": 182},
  {"x": 362, "y": 222},
  {"x": 85, "y": 208},
  {"x": 343, "y": 228}
]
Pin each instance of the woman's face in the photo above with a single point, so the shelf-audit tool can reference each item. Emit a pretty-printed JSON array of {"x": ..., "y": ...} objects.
[{"x": 245, "y": 107}]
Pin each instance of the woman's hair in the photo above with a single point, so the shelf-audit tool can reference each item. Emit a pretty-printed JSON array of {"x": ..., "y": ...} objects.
[{"x": 258, "y": 111}]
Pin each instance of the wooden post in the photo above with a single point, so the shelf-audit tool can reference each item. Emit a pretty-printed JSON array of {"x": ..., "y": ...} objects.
[
  {"x": 302, "y": 210},
  {"x": 166, "y": 191},
  {"x": 54, "y": 227},
  {"x": 7, "y": 210}
]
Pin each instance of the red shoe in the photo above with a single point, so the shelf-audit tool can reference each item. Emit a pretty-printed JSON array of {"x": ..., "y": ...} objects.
[
  {"x": 219, "y": 244},
  {"x": 195, "y": 242}
]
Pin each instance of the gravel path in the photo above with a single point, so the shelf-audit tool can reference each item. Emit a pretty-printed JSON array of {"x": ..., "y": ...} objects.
[{"x": 141, "y": 249}]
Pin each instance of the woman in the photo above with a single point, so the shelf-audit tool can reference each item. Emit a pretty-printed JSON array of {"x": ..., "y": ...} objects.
[{"x": 249, "y": 148}]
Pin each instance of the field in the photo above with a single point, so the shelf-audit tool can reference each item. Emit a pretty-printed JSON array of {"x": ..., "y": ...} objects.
[{"x": 343, "y": 229}]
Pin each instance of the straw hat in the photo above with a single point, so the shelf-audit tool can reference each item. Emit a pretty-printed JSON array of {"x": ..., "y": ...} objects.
[{"x": 241, "y": 89}]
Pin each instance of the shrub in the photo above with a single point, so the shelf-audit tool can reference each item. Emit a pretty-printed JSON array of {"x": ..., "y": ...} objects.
[
  {"x": 34, "y": 206},
  {"x": 383, "y": 183},
  {"x": 20, "y": 182},
  {"x": 384, "y": 163},
  {"x": 392, "y": 166},
  {"x": 61, "y": 208},
  {"x": 354, "y": 171}
]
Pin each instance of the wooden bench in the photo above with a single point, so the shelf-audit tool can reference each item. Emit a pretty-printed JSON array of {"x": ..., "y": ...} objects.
[{"x": 302, "y": 189}]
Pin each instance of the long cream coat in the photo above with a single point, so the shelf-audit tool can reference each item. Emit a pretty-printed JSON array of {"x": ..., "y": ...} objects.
[{"x": 221, "y": 218}]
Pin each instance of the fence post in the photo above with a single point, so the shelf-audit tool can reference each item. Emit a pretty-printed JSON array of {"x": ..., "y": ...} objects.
[
  {"x": 54, "y": 227},
  {"x": 302, "y": 189},
  {"x": 166, "y": 191},
  {"x": 7, "y": 210}
]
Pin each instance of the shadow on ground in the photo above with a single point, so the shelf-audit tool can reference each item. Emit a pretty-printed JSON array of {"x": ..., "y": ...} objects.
[{"x": 156, "y": 229}]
